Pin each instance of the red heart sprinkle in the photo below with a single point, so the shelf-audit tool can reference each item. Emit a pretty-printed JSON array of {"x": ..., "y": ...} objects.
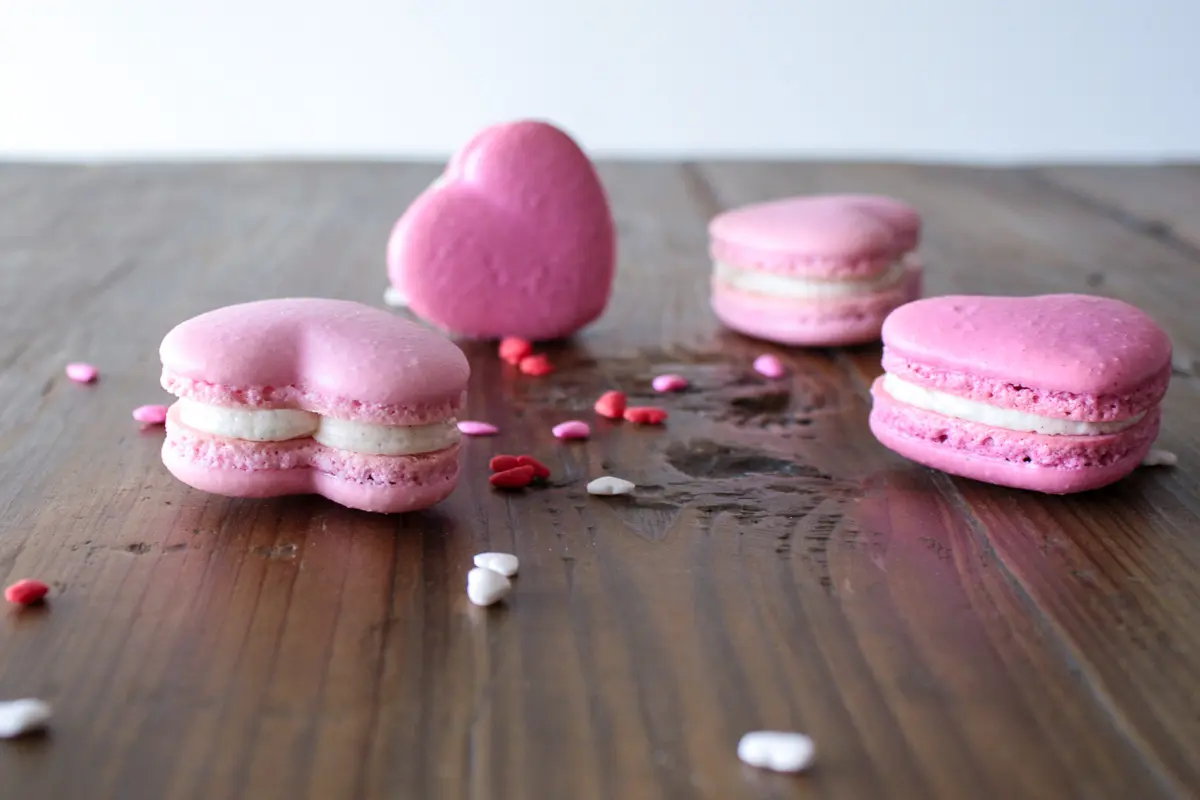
[
  {"x": 515, "y": 478},
  {"x": 514, "y": 348},
  {"x": 645, "y": 415},
  {"x": 26, "y": 592},
  {"x": 611, "y": 405},
  {"x": 540, "y": 470},
  {"x": 536, "y": 365},
  {"x": 503, "y": 463}
]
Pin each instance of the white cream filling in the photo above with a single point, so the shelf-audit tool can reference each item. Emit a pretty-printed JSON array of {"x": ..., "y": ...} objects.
[
  {"x": 283, "y": 424},
  {"x": 949, "y": 405},
  {"x": 794, "y": 288}
]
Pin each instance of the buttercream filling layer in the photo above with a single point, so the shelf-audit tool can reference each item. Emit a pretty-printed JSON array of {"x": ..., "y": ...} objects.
[
  {"x": 285, "y": 424},
  {"x": 794, "y": 288},
  {"x": 949, "y": 405}
]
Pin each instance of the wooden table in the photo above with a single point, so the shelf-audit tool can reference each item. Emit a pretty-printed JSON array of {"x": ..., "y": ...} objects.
[{"x": 777, "y": 568}]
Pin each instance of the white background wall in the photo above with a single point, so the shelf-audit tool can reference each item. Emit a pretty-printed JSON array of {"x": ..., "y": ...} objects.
[{"x": 992, "y": 80}]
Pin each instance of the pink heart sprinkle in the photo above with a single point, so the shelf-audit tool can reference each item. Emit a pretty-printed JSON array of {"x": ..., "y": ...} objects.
[
  {"x": 769, "y": 365},
  {"x": 150, "y": 415},
  {"x": 670, "y": 383},
  {"x": 572, "y": 430},
  {"x": 82, "y": 373},
  {"x": 469, "y": 427}
]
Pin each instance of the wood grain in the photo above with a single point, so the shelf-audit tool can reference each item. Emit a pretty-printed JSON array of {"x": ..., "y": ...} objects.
[{"x": 776, "y": 568}]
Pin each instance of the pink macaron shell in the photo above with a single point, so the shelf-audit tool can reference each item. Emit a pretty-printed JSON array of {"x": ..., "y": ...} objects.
[
  {"x": 1066, "y": 344},
  {"x": 240, "y": 468},
  {"x": 515, "y": 239},
  {"x": 1022, "y": 460},
  {"x": 824, "y": 323},
  {"x": 332, "y": 357},
  {"x": 905, "y": 220},
  {"x": 832, "y": 236}
]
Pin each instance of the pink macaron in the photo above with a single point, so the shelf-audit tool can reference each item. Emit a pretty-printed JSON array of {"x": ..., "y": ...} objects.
[
  {"x": 516, "y": 238},
  {"x": 820, "y": 271},
  {"x": 307, "y": 396},
  {"x": 1057, "y": 394}
]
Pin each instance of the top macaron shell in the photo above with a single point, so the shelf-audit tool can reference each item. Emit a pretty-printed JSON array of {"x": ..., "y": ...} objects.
[
  {"x": 332, "y": 357},
  {"x": 1045, "y": 349},
  {"x": 515, "y": 239},
  {"x": 830, "y": 236}
]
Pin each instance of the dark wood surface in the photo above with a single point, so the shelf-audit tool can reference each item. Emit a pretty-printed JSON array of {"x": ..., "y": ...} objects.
[{"x": 777, "y": 568}]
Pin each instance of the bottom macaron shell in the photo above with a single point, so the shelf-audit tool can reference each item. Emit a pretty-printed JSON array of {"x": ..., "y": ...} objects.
[
  {"x": 825, "y": 323},
  {"x": 1042, "y": 463},
  {"x": 240, "y": 468}
]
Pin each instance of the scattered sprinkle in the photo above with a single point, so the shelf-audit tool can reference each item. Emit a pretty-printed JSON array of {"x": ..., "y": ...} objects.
[
  {"x": 515, "y": 478},
  {"x": 537, "y": 365},
  {"x": 1160, "y": 458},
  {"x": 670, "y": 383},
  {"x": 645, "y": 415},
  {"x": 514, "y": 349},
  {"x": 769, "y": 365},
  {"x": 608, "y": 485},
  {"x": 781, "y": 751},
  {"x": 611, "y": 405},
  {"x": 504, "y": 563},
  {"x": 485, "y": 586},
  {"x": 150, "y": 415},
  {"x": 26, "y": 592},
  {"x": 82, "y": 373},
  {"x": 540, "y": 471},
  {"x": 503, "y": 463},
  {"x": 19, "y": 717},
  {"x": 470, "y": 427},
  {"x": 394, "y": 297},
  {"x": 574, "y": 429}
]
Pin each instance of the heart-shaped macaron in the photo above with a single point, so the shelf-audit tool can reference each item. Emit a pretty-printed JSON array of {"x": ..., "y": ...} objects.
[
  {"x": 1058, "y": 393},
  {"x": 514, "y": 239}
]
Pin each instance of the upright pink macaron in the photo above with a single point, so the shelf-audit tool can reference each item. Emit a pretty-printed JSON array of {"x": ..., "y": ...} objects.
[
  {"x": 822, "y": 270},
  {"x": 1057, "y": 394},
  {"x": 515, "y": 239},
  {"x": 307, "y": 396}
]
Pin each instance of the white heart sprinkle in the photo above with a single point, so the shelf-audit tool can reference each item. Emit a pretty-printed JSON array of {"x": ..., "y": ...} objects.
[
  {"x": 1160, "y": 458},
  {"x": 781, "y": 751},
  {"x": 485, "y": 586},
  {"x": 394, "y": 297},
  {"x": 504, "y": 563},
  {"x": 18, "y": 717},
  {"x": 610, "y": 485}
]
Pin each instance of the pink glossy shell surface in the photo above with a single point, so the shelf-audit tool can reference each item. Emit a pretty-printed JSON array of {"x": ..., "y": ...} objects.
[
  {"x": 333, "y": 357},
  {"x": 515, "y": 239},
  {"x": 830, "y": 236}
]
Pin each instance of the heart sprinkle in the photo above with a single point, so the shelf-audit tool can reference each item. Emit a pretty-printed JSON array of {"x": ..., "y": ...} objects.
[
  {"x": 82, "y": 373},
  {"x": 470, "y": 427},
  {"x": 1160, "y": 458},
  {"x": 769, "y": 365},
  {"x": 503, "y": 463},
  {"x": 486, "y": 586},
  {"x": 19, "y": 717},
  {"x": 609, "y": 485},
  {"x": 670, "y": 383},
  {"x": 26, "y": 592},
  {"x": 611, "y": 405},
  {"x": 574, "y": 429},
  {"x": 645, "y": 415},
  {"x": 504, "y": 563},
  {"x": 513, "y": 349},
  {"x": 781, "y": 751},
  {"x": 150, "y": 415},
  {"x": 515, "y": 478},
  {"x": 540, "y": 471},
  {"x": 537, "y": 365}
]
